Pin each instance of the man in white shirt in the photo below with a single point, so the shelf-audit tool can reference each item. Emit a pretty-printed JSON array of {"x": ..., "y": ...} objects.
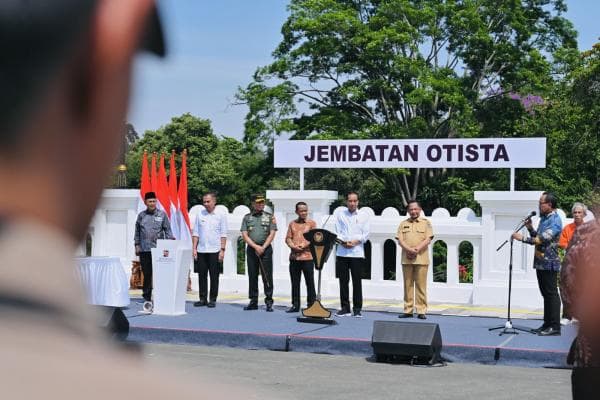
[
  {"x": 352, "y": 229},
  {"x": 208, "y": 243}
]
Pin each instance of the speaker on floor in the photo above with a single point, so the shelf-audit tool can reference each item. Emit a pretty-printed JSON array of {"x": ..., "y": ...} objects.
[
  {"x": 414, "y": 342},
  {"x": 114, "y": 322}
]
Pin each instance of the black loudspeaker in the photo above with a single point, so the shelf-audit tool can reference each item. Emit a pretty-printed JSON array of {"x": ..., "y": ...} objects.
[
  {"x": 114, "y": 322},
  {"x": 407, "y": 341}
]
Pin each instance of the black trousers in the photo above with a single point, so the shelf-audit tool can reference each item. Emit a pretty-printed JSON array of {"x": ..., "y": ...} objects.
[
  {"x": 205, "y": 264},
  {"x": 146, "y": 262},
  {"x": 346, "y": 266},
  {"x": 549, "y": 290},
  {"x": 584, "y": 383},
  {"x": 297, "y": 268},
  {"x": 566, "y": 313},
  {"x": 254, "y": 268}
]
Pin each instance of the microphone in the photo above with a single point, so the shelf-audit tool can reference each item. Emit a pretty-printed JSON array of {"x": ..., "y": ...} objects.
[{"x": 531, "y": 215}]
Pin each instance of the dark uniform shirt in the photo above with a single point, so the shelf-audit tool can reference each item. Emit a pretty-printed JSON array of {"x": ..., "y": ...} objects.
[
  {"x": 151, "y": 226},
  {"x": 258, "y": 226}
]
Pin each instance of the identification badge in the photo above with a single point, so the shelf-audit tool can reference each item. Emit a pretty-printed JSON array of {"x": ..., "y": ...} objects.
[{"x": 158, "y": 219}]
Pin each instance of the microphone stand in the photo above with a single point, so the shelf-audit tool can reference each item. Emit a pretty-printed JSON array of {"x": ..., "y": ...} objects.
[{"x": 508, "y": 328}]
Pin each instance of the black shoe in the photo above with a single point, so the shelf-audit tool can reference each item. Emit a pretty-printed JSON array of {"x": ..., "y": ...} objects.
[
  {"x": 293, "y": 309},
  {"x": 200, "y": 303},
  {"x": 211, "y": 304},
  {"x": 269, "y": 307},
  {"x": 539, "y": 329},
  {"x": 251, "y": 306},
  {"x": 422, "y": 316},
  {"x": 550, "y": 331},
  {"x": 405, "y": 315},
  {"x": 343, "y": 313},
  {"x": 357, "y": 314}
]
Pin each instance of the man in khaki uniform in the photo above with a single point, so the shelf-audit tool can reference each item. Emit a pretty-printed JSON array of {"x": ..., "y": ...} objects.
[{"x": 414, "y": 235}]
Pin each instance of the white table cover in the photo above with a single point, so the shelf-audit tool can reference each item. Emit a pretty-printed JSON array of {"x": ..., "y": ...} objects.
[{"x": 104, "y": 281}]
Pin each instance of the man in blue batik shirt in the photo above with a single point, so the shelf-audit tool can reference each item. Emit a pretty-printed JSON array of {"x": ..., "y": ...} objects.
[{"x": 545, "y": 261}]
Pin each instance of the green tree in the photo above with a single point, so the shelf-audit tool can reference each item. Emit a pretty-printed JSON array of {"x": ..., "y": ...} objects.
[
  {"x": 223, "y": 165},
  {"x": 570, "y": 119},
  {"x": 405, "y": 69}
]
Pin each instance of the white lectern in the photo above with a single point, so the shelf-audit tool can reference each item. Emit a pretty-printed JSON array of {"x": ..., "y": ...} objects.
[{"x": 170, "y": 264}]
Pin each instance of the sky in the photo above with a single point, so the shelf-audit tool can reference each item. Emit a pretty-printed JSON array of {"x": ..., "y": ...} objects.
[{"x": 214, "y": 47}]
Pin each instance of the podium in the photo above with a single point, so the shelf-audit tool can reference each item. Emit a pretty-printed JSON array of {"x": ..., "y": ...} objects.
[
  {"x": 321, "y": 242},
  {"x": 170, "y": 265}
]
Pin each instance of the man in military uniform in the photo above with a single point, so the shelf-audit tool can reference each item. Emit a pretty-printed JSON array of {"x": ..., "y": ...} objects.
[
  {"x": 414, "y": 235},
  {"x": 258, "y": 231},
  {"x": 151, "y": 224}
]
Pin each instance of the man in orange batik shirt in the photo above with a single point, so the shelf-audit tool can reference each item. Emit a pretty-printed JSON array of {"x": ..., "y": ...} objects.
[{"x": 301, "y": 261}]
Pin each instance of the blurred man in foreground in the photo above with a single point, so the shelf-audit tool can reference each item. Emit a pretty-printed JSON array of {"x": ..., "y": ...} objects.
[
  {"x": 65, "y": 73},
  {"x": 581, "y": 291}
]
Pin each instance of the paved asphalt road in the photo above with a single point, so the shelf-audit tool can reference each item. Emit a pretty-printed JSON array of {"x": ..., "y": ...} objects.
[{"x": 265, "y": 375}]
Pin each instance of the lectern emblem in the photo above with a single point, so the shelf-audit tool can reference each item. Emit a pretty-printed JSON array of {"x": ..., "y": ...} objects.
[
  {"x": 165, "y": 253},
  {"x": 318, "y": 238}
]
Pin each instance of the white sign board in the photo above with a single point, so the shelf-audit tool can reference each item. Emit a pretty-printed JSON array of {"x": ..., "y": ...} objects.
[{"x": 409, "y": 153}]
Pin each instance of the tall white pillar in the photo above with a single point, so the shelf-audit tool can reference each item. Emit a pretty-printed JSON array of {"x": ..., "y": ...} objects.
[{"x": 501, "y": 212}]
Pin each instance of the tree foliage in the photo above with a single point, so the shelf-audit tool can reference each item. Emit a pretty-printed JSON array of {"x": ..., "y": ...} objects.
[
  {"x": 571, "y": 122},
  {"x": 223, "y": 165},
  {"x": 406, "y": 69}
]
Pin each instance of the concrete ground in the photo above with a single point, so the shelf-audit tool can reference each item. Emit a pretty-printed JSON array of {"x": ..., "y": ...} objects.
[{"x": 265, "y": 375}]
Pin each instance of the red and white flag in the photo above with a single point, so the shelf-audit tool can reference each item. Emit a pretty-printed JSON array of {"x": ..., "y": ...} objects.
[
  {"x": 153, "y": 175},
  {"x": 185, "y": 234},
  {"x": 145, "y": 185},
  {"x": 162, "y": 193},
  {"x": 174, "y": 200}
]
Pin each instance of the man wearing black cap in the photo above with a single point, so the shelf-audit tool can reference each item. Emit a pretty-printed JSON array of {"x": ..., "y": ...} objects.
[
  {"x": 258, "y": 231},
  {"x": 65, "y": 73},
  {"x": 151, "y": 224}
]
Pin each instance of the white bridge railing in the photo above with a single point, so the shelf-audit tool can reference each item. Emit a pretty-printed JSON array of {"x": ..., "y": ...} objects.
[{"x": 111, "y": 234}]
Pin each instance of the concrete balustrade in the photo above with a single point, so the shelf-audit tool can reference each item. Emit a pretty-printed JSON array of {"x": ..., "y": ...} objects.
[{"x": 113, "y": 224}]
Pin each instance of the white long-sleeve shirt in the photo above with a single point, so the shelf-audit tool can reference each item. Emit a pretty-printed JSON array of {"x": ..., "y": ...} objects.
[
  {"x": 351, "y": 226},
  {"x": 210, "y": 228}
]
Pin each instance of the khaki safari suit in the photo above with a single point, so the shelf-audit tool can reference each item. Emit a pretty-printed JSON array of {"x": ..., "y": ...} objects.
[{"x": 412, "y": 233}]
